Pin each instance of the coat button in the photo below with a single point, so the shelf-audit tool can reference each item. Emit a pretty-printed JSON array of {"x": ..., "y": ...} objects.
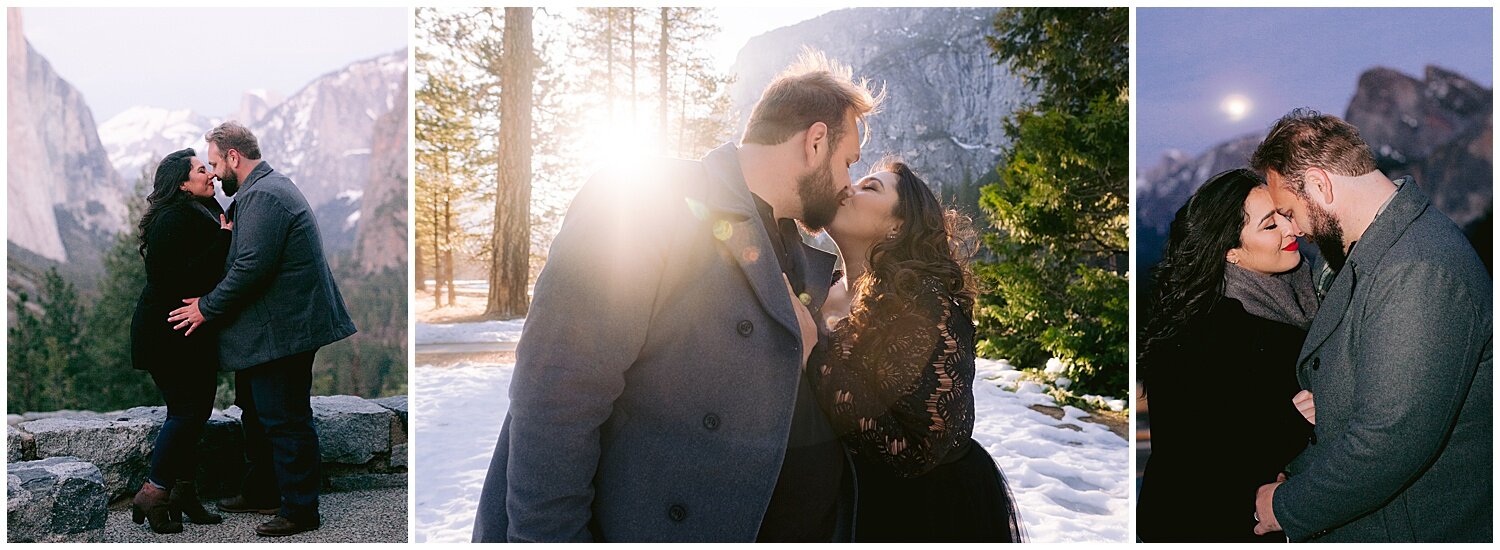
[
  {"x": 745, "y": 328},
  {"x": 1316, "y": 363},
  {"x": 1312, "y": 439},
  {"x": 711, "y": 421},
  {"x": 677, "y": 512}
]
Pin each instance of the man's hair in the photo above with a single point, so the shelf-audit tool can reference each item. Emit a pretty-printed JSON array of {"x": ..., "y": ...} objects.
[
  {"x": 813, "y": 89},
  {"x": 231, "y": 135},
  {"x": 1304, "y": 139}
]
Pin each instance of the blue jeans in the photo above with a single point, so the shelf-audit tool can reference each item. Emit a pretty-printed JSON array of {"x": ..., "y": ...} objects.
[
  {"x": 189, "y": 394},
  {"x": 281, "y": 443}
]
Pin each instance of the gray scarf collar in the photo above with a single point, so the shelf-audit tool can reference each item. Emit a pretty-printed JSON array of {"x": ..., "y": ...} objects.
[{"x": 1284, "y": 297}]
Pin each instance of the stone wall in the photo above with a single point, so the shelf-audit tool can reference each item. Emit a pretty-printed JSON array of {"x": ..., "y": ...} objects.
[{"x": 66, "y": 463}]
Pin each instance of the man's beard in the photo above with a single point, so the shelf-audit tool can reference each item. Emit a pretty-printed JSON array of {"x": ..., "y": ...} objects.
[
  {"x": 1327, "y": 235},
  {"x": 819, "y": 200},
  {"x": 229, "y": 183}
]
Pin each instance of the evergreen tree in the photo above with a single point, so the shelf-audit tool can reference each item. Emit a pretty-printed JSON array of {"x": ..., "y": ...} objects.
[
  {"x": 446, "y": 138},
  {"x": 110, "y": 381},
  {"x": 510, "y": 266},
  {"x": 44, "y": 348},
  {"x": 1059, "y": 287}
]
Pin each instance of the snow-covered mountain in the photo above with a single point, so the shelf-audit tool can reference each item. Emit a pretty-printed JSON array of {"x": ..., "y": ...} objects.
[
  {"x": 70, "y": 183},
  {"x": 140, "y": 136},
  {"x": 321, "y": 135}
]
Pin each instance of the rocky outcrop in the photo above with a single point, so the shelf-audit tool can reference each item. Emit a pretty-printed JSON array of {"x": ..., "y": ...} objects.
[
  {"x": 381, "y": 241},
  {"x": 946, "y": 95},
  {"x": 363, "y": 429},
  {"x": 58, "y": 177},
  {"x": 397, "y": 405},
  {"x": 59, "y": 499},
  {"x": 1437, "y": 129},
  {"x": 256, "y": 104},
  {"x": 322, "y": 136},
  {"x": 357, "y": 438},
  {"x": 119, "y": 447}
]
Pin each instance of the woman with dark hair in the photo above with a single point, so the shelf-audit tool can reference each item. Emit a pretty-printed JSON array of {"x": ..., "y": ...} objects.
[
  {"x": 896, "y": 371},
  {"x": 1232, "y": 304},
  {"x": 184, "y": 241}
]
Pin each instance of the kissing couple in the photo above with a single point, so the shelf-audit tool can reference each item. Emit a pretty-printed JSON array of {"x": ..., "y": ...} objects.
[
  {"x": 692, "y": 371},
  {"x": 1356, "y": 395},
  {"x": 247, "y": 291}
]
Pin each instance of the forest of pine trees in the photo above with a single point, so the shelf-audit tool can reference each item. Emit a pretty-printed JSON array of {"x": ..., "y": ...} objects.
[{"x": 510, "y": 105}]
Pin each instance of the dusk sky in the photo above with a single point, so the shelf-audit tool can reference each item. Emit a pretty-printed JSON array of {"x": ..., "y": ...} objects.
[
  {"x": 203, "y": 59},
  {"x": 1204, "y": 76}
]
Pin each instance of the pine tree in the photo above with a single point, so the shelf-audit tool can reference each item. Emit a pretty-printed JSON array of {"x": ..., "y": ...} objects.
[
  {"x": 44, "y": 354},
  {"x": 109, "y": 381},
  {"x": 1059, "y": 287},
  {"x": 446, "y": 140},
  {"x": 510, "y": 269},
  {"x": 689, "y": 85}
]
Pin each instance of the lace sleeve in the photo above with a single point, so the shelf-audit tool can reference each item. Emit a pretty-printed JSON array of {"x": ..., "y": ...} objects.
[{"x": 906, "y": 398}]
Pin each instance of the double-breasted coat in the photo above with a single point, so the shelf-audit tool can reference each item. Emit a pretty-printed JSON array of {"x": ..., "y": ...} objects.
[
  {"x": 278, "y": 297},
  {"x": 1399, "y": 360},
  {"x": 657, "y": 371}
]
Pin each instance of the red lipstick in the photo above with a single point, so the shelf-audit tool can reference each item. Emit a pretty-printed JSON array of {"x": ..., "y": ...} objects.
[{"x": 1291, "y": 247}]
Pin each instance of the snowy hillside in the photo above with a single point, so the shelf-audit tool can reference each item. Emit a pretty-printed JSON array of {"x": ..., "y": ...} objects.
[{"x": 139, "y": 136}]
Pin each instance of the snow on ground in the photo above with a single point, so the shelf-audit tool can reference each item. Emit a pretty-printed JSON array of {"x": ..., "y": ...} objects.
[
  {"x": 452, "y": 333},
  {"x": 1071, "y": 479},
  {"x": 1069, "y": 485},
  {"x": 459, "y": 412}
]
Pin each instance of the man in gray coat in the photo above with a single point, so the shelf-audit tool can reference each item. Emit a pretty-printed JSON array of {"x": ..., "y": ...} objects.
[
  {"x": 277, "y": 304},
  {"x": 658, "y": 392},
  {"x": 1398, "y": 359}
]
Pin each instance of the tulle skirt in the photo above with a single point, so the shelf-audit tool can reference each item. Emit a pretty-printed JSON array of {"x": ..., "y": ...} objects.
[{"x": 965, "y": 500}]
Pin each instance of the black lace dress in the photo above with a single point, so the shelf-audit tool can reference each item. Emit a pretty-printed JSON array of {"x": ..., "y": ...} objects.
[{"x": 902, "y": 402}]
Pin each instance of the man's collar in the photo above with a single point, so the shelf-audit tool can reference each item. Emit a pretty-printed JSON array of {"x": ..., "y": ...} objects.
[
  {"x": 260, "y": 171},
  {"x": 730, "y": 191},
  {"x": 1389, "y": 222}
]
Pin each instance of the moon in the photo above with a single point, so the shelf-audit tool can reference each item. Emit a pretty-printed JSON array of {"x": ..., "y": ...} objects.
[{"x": 1236, "y": 106}]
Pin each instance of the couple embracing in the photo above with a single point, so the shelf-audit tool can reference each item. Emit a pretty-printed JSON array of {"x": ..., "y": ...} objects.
[
  {"x": 1351, "y": 402},
  {"x": 691, "y": 371},
  {"x": 247, "y": 291}
]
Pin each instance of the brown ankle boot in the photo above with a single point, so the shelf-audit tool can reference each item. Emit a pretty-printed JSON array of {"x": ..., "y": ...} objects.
[
  {"x": 150, "y": 503},
  {"x": 184, "y": 501}
]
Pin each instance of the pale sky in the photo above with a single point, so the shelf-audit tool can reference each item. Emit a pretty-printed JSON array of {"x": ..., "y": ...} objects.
[
  {"x": 739, "y": 25},
  {"x": 174, "y": 57}
]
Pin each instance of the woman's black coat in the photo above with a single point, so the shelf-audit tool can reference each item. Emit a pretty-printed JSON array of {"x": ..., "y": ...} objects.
[
  {"x": 1222, "y": 424},
  {"x": 185, "y": 252}
]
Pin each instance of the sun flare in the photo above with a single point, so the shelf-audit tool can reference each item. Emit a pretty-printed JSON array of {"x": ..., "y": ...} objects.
[{"x": 1236, "y": 106}]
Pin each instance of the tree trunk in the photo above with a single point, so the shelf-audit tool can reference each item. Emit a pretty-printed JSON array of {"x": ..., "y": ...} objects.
[
  {"x": 417, "y": 262},
  {"x": 511, "y": 241},
  {"x": 437, "y": 256},
  {"x": 663, "y": 66},
  {"x": 609, "y": 62},
  {"x": 633, "y": 120},
  {"x": 448, "y": 254}
]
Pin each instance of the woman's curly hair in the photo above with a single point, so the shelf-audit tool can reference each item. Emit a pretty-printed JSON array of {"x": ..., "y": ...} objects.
[
  {"x": 932, "y": 243},
  {"x": 1189, "y": 279}
]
